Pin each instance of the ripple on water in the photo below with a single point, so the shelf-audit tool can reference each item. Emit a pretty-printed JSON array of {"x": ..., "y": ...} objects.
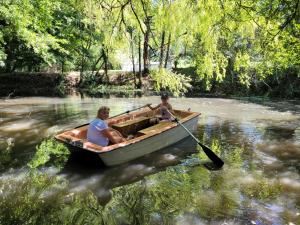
[
  {"x": 87, "y": 183},
  {"x": 281, "y": 149},
  {"x": 290, "y": 184},
  {"x": 189, "y": 219},
  {"x": 132, "y": 171},
  {"x": 20, "y": 125}
]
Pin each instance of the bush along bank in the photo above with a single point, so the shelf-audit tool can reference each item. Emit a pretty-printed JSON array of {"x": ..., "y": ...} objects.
[
  {"x": 124, "y": 84},
  {"x": 33, "y": 84},
  {"x": 285, "y": 86},
  {"x": 55, "y": 84}
]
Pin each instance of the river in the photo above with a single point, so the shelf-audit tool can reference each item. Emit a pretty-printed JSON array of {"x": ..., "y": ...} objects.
[{"x": 41, "y": 183}]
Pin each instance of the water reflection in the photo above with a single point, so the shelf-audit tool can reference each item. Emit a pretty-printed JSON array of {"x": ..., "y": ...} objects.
[
  {"x": 85, "y": 170},
  {"x": 259, "y": 184}
]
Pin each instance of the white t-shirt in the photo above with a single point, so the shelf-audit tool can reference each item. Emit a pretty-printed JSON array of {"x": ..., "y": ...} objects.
[{"x": 94, "y": 133}]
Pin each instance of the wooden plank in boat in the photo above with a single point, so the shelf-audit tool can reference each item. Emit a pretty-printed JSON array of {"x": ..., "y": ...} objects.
[
  {"x": 130, "y": 122},
  {"x": 156, "y": 128},
  {"x": 132, "y": 126}
]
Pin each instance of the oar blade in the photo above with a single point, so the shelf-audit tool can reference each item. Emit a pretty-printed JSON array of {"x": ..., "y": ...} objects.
[{"x": 212, "y": 156}]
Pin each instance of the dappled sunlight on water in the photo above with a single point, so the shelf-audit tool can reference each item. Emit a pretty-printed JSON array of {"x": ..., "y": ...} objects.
[{"x": 259, "y": 184}]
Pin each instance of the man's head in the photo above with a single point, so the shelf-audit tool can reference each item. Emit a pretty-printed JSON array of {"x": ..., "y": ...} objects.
[{"x": 103, "y": 113}]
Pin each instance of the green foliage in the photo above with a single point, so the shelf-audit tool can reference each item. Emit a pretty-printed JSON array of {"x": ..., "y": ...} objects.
[
  {"x": 235, "y": 157},
  {"x": 6, "y": 152},
  {"x": 106, "y": 89},
  {"x": 216, "y": 206},
  {"x": 160, "y": 198},
  {"x": 31, "y": 200},
  {"x": 90, "y": 80},
  {"x": 25, "y": 26},
  {"x": 261, "y": 188},
  {"x": 61, "y": 89},
  {"x": 174, "y": 82},
  {"x": 36, "y": 198},
  {"x": 245, "y": 45},
  {"x": 47, "y": 149}
]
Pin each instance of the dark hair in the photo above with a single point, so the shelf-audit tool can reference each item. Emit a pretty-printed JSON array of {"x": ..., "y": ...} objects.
[{"x": 164, "y": 96}]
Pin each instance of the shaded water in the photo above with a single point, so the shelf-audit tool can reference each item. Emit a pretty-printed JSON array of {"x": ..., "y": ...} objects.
[{"x": 259, "y": 184}]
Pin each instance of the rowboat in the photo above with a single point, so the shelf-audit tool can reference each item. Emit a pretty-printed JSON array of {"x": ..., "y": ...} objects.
[{"x": 147, "y": 137}]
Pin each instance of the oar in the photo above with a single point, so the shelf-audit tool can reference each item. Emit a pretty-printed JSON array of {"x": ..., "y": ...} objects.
[
  {"x": 128, "y": 111},
  {"x": 210, "y": 154}
]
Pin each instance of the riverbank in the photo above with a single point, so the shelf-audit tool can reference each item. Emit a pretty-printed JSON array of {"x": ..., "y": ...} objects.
[
  {"x": 279, "y": 87},
  {"x": 23, "y": 84},
  {"x": 32, "y": 84}
]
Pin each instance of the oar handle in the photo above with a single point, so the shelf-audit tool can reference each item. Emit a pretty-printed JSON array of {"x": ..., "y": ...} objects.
[{"x": 128, "y": 111}]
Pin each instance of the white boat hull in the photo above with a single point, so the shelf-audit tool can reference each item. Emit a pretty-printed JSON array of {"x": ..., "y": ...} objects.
[{"x": 148, "y": 145}]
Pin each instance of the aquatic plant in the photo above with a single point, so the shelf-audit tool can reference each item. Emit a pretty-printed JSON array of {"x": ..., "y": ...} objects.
[
  {"x": 261, "y": 188},
  {"x": 47, "y": 149},
  {"x": 36, "y": 198},
  {"x": 6, "y": 150},
  {"x": 33, "y": 199}
]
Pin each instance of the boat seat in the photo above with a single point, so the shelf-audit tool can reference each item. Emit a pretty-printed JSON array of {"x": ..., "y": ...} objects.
[
  {"x": 132, "y": 126},
  {"x": 157, "y": 128}
]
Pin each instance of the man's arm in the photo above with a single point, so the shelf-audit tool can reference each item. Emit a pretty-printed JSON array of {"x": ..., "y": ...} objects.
[
  {"x": 170, "y": 108},
  {"x": 113, "y": 136},
  {"x": 153, "y": 108},
  {"x": 116, "y": 131}
]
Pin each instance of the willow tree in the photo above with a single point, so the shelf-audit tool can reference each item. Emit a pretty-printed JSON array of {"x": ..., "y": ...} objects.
[
  {"x": 135, "y": 32},
  {"x": 143, "y": 13},
  {"x": 234, "y": 42}
]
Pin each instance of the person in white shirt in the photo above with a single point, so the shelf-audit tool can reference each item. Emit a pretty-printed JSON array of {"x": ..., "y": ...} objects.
[{"x": 99, "y": 133}]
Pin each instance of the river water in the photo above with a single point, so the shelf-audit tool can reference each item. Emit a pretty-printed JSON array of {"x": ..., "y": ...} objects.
[{"x": 41, "y": 183}]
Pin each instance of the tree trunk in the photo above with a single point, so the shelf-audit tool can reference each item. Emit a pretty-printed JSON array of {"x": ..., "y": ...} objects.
[
  {"x": 94, "y": 68},
  {"x": 176, "y": 62},
  {"x": 146, "y": 48},
  {"x": 162, "y": 48},
  {"x": 97, "y": 73},
  {"x": 168, "y": 51},
  {"x": 9, "y": 65},
  {"x": 62, "y": 66},
  {"x": 105, "y": 59},
  {"x": 230, "y": 73},
  {"x": 140, "y": 64},
  {"x": 132, "y": 58},
  {"x": 81, "y": 70}
]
